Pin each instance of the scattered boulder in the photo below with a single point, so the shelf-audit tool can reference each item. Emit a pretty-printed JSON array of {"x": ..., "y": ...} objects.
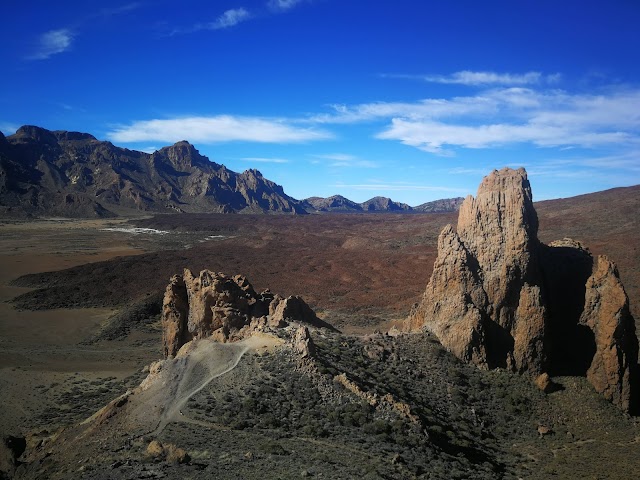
[
  {"x": 303, "y": 343},
  {"x": 499, "y": 298},
  {"x": 167, "y": 451},
  {"x": 544, "y": 430},
  {"x": 544, "y": 383}
]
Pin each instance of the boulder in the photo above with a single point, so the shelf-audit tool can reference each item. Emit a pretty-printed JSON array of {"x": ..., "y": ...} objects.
[{"x": 303, "y": 343}]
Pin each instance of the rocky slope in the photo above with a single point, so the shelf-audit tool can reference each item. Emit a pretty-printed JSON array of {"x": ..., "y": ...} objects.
[
  {"x": 46, "y": 172},
  {"x": 500, "y": 298},
  {"x": 441, "y": 206}
]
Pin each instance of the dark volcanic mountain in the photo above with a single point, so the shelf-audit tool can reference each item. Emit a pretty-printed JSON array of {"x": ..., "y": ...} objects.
[
  {"x": 74, "y": 174},
  {"x": 384, "y": 204},
  {"x": 336, "y": 203},
  {"x": 440, "y": 206}
]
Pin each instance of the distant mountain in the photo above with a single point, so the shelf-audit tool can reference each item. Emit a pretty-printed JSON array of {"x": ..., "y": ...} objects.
[
  {"x": 336, "y": 203},
  {"x": 63, "y": 173},
  {"x": 384, "y": 204},
  {"x": 441, "y": 206},
  {"x": 72, "y": 174}
]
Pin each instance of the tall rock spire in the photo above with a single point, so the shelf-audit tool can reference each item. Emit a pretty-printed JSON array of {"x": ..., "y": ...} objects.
[{"x": 494, "y": 300}]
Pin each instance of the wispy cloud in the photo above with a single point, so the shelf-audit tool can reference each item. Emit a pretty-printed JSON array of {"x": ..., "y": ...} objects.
[
  {"x": 216, "y": 129},
  {"x": 229, "y": 18},
  {"x": 502, "y": 116},
  {"x": 393, "y": 187},
  {"x": 280, "y": 5},
  {"x": 60, "y": 40},
  {"x": 264, "y": 160},
  {"x": 111, "y": 11},
  {"x": 51, "y": 43},
  {"x": 343, "y": 160},
  {"x": 467, "y": 77}
]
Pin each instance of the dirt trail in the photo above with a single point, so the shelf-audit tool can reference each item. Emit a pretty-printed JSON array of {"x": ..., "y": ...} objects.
[{"x": 164, "y": 394}]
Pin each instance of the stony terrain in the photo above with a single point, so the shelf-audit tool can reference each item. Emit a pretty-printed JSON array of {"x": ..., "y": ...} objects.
[{"x": 358, "y": 272}]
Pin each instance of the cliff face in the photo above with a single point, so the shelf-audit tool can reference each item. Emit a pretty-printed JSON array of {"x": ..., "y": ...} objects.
[
  {"x": 499, "y": 298},
  {"x": 74, "y": 174}
]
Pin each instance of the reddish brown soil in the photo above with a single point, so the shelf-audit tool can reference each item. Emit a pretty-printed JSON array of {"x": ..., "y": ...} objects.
[
  {"x": 369, "y": 265},
  {"x": 355, "y": 269}
]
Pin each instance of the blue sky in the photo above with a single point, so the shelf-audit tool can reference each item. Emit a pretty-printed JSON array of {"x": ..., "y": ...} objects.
[{"x": 414, "y": 100}]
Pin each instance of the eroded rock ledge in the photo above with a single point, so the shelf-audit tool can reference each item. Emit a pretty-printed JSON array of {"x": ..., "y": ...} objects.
[
  {"x": 500, "y": 298},
  {"x": 225, "y": 308}
]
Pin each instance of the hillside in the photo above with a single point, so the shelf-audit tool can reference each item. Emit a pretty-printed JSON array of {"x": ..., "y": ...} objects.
[{"x": 73, "y": 174}]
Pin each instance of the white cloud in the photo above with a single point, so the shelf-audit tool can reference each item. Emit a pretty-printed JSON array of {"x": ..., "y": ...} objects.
[
  {"x": 230, "y": 18},
  {"x": 467, "y": 77},
  {"x": 470, "y": 78},
  {"x": 398, "y": 187},
  {"x": 283, "y": 4},
  {"x": 433, "y": 136},
  {"x": 51, "y": 43},
  {"x": 264, "y": 160},
  {"x": 343, "y": 160},
  {"x": 501, "y": 116},
  {"x": 149, "y": 149},
  {"x": 215, "y": 129}
]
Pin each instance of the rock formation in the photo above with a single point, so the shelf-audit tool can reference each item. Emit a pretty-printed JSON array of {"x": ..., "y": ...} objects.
[
  {"x": 606, "y": 314},
  {"x": 499, "y": 298},
  {"x": 223, "y": 307}
]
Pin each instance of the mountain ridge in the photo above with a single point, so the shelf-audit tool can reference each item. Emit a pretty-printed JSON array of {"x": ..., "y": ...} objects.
[{"x": 73, "y": 174}]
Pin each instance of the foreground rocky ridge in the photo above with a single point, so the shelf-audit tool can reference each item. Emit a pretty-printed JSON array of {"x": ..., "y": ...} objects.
[{"x": 499, "y": 298}]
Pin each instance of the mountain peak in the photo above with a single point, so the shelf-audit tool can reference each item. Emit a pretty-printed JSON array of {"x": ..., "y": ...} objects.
[{"x": 32, "y": 132}]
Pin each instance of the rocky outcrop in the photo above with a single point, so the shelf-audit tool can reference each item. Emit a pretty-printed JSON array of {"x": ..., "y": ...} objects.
[
  {"x": 303, "y": 344},
  {"x": 226, "y": 308},
  {"x": 606, "y": 314},
  {"x": 484, "y": 300},
  {"x": 335, "y": 203},
  {"x": 499, "y": 298}
]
